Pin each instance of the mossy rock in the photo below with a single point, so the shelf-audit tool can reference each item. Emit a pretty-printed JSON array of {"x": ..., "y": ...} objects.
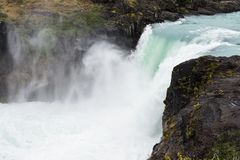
[{"x": 227, "y": 146}]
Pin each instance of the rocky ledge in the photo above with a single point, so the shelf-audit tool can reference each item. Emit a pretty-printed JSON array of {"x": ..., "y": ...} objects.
[{"x": 202, "y": 114}]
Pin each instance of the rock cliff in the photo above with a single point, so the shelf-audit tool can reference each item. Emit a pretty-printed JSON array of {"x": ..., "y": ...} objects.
[{"x": 202, "y": 113}]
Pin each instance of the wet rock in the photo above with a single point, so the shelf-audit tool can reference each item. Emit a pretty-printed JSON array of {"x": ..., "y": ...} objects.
[
  {"x": 205, "y": 11},
  {"x": 170, "y": 16},
  {"x": 202, "y": 114},
  {"x": 6, "y": 63}
]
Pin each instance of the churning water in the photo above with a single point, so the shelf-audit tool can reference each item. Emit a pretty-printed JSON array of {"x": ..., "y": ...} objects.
[{"x": 101, "y": 104}]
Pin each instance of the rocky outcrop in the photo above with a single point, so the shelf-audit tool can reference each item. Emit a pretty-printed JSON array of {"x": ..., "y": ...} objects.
[
  {"x": 129, "y": 17},
  {"x": 202, "y": 113}
]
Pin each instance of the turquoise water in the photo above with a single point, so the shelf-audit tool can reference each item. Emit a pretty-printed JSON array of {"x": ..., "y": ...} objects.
[{"x": 195, "y": 35}]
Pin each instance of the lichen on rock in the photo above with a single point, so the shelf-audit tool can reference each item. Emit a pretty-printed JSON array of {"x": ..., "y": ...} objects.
[{"x": 202, "y": 111}]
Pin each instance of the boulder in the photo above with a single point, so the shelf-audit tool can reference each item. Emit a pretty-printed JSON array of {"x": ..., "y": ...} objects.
[
  {"x": 205, "y": 11},
  {"x": 170, "y": 16}
]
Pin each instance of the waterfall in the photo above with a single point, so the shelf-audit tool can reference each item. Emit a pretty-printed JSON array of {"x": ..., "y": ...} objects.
[
  {"x": 87, "y": 99},
  {"x": 73, "y": 99}
]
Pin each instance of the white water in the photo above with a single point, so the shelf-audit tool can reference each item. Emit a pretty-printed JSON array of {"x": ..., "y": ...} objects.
[
  {"x": 116, "y": 114},
  {"x": 107, "y": 106}
]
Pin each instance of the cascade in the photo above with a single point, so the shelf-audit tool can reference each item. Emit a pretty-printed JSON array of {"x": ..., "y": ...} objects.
[{"x": 89, "y": 100}]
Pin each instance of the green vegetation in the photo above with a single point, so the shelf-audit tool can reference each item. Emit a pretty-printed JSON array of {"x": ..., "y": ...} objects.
[
  {"x": 190, "y": 130},
  {"x": 193, "y": 84},
  {"x": 181, "y": 157},
  {"x": 132, "y": 3},
  {"x": 63, "y": 17},
  {"x": 3, "y": 16},
  {"x": 226, "y": 146}
]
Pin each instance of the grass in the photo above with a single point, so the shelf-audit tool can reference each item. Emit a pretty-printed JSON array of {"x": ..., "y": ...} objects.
[
  {"x": 64, "y": 16},
  {"x": 16, "y": 9}
]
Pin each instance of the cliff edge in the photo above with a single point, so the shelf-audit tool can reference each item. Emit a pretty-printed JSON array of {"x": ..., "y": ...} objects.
[{"x": 202, "y": 113}]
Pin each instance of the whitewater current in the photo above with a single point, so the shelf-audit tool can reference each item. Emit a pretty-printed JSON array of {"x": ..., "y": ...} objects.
[{"x": 109, "y": 105}]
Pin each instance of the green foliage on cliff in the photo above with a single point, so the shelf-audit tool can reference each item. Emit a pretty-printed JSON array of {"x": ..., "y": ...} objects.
[{"x": 227, "y": 146}]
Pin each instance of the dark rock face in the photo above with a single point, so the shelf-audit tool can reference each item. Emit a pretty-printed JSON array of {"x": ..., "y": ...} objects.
[
  {"x": 3, "y": 38},
  {"x": 202, "y": 114},
  {"x": 170, "y": 16},
  {"x": 129, "y": 17},
  {"x": 6, "y": 62}
]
